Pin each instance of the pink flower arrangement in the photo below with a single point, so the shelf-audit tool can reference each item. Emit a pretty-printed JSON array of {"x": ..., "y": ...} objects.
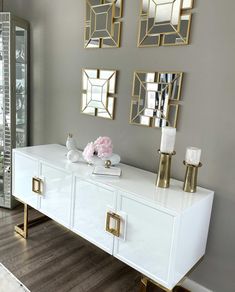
[
  {"x": 89, "y": 152},
  {"x": 102, "y": 147}
]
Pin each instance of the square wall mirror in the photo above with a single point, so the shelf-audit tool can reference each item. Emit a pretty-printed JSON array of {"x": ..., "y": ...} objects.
[
  {"x": 164, "y": 22},
  {"x": 103, "y": 23},
  {"x": 98, "y": 96},
  {"x": 155, "y": 98}
]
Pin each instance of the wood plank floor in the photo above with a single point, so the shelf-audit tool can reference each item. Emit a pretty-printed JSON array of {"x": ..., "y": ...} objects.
[{"x": 54, "y": 259}]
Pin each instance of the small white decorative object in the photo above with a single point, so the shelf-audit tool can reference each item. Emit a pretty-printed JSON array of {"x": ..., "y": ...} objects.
[
  {"x": 71, "y": 143},
  {"x": 109, "y": 171},
  {"x": 168, "y": 140},
  {"x": 193, "y": 156},
  {"x": 73, "y": 156}
]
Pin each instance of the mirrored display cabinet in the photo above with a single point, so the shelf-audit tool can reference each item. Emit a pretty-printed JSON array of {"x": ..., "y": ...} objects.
[{"x": 14, "y": 37}]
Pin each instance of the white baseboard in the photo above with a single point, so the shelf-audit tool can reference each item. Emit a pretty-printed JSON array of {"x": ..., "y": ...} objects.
[{"x": 193, "y": 286}]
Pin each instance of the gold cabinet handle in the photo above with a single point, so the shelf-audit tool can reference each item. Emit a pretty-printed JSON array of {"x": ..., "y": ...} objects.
[
  {"x": 117, "y": 219},
  {"x": 37, "y": 185}
]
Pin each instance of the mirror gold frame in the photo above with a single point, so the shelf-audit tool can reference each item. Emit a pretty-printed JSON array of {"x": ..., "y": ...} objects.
[
  {"x": 98, "y": 92},
  {"x": 103, "y": 23},
  {"x": 164, "y": 22},
  {"x": 155, "y": 98}
]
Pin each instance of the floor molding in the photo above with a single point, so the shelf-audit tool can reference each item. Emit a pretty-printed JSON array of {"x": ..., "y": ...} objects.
[{"x": 194, "y": 286}]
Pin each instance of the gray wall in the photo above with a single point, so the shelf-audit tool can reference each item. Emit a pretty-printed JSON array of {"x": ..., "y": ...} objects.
[{"x": 206, "y": 118}]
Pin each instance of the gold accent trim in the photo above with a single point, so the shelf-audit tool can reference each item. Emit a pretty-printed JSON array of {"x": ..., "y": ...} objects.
[
  {"x": 113, "y": 216},
  {"x": 145, "y": 284},
  {"x": 190, "y": 180},
  {"x": 37, "y": 185},
  {"x": 22, "y": 228},
  {"x": 164, "y": 170}
]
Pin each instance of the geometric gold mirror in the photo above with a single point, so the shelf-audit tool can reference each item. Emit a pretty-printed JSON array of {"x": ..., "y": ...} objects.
[
  {"x": 155, "y": 98},
  {"x": 164, "y": 22},
  {"x": 103, "y": 23},
  {"x": 98, "y": 92}
]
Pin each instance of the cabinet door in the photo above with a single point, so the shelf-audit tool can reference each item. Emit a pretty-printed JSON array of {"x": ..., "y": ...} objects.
[
  {"x": 24, "y": 169},
  {"x": 91, "y": 204},
  {"x": 148, "y": 239},
  {"x": 57, "y": 192}
]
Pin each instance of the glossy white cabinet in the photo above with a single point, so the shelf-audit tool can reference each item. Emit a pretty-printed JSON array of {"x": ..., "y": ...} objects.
[
  {"x": 91, "y": 204},
  {"x": 25, "y": 168},
  {"x": 56, "y": 198},
  {"x": 160, "y": 232},
  {"x": 149, "y": 238}
]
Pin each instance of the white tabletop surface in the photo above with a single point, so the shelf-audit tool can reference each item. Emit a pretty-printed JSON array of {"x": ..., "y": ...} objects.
[{"x": 135, "y": 181}]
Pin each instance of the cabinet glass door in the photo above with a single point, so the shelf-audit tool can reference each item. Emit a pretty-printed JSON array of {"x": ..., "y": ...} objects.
[
  {"x": 1, "y": 113},
  {"x": 21, "y": 86}
]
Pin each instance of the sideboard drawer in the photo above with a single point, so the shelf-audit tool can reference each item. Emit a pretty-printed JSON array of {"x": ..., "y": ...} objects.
[
  {"x": 148, "y": 239},
  {"x": 56, "y": 198},
  {"x": 91, "y": 204},
  {"x": 24, "y": 170}
]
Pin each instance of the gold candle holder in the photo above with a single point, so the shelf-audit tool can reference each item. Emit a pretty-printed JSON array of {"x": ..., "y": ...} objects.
[
  {"x": 164, "y": 170},
  {"x": 190, "y": 180}
]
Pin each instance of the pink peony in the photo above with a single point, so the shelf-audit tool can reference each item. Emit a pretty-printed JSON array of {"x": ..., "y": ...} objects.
[
  {"x": 89, "y": 151},
  {"x": 103, "y": 147},
  {"x": 104, "y": 151}
]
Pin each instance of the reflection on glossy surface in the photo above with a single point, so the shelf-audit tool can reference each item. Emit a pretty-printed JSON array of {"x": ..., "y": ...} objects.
[
  {"x": 103, "y": 26},
  {"x": 155, "y": 98},
  {"x": 98, "y": 91},
  {"x": 165, "y": 22}
]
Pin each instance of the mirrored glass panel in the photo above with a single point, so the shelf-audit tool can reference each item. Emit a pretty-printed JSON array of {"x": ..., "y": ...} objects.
[
  {"x": 98, "y": 96},
  {"x": 103, "y": 23},
  {"x": 164, "y": 22},
  {"x": 21, "y": 85},
  {"x": 1, "y": 113},
  {"x": 155, "y": 98}
]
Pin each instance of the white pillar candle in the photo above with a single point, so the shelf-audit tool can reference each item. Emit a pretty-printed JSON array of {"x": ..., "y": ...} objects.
[
  {"x": 193, "y": 156},
  {"x": 168, "y": 140}
]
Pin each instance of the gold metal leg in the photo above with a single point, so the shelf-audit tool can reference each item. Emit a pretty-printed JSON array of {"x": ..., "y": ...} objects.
[
  {"x": 22, "y": 228},
  {"x": 146, "y": 283}
]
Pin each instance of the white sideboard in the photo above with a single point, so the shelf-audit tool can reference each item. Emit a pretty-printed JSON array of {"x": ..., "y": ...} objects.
[{"x": 160, "y": 232}]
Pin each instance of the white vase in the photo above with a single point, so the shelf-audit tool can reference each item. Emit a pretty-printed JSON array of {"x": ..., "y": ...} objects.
[
  {"x": 73, "y": 156},
  {"x": 71, "y": 143}
]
